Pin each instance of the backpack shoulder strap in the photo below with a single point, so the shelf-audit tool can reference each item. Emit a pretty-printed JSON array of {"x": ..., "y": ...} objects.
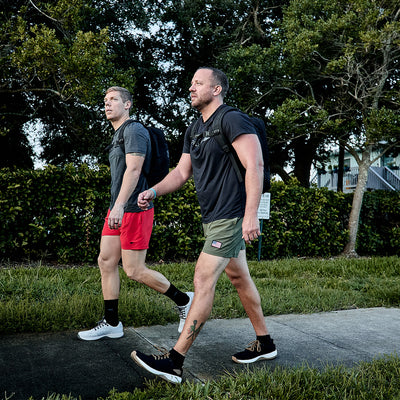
[
  {"x": 122, "y": 130},
  {"x": 121, "y": 135},
  {"x": 216, "y": 132},
  {"x": 215, "y": 127},
  {"x": 222, "y": 140}
]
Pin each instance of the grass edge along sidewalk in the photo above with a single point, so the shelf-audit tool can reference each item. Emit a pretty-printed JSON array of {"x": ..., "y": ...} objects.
[{"x": 60, "y": 299}]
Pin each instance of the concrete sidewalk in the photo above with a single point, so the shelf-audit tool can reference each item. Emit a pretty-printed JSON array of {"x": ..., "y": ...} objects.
[{"x": 38, "y": 364}]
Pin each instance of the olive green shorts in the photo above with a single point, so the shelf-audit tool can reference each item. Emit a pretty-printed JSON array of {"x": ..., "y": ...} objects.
[{"x": 224, "y": 238}]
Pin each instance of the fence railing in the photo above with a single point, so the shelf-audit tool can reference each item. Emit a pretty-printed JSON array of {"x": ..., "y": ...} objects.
[{"x": 379, "y": 178}]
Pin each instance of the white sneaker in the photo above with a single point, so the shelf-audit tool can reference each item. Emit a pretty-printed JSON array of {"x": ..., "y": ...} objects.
[
  {"x": 101, "y": 330},
  {"x": 184, "y": 311}
]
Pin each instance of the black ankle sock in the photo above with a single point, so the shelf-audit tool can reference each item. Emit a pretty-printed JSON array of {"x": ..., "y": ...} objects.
[
  {"x": 111, "y": 312},
  {"x": 180, "y": 298},
  {"x": 177, "y": 358},
  {"x": 267, "y": 344},
  {"x": 265, "y": 340}
]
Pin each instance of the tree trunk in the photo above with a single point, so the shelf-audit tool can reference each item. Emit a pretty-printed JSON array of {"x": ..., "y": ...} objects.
[
  {"x": 279, "y": 170},
  {"x": 350, "y": 248},
  {"x": 304, "y": 155}
]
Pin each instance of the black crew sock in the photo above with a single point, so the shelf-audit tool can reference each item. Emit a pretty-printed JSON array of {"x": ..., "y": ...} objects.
[
  {"x": 178, "y": 297},
  {"x": 177, "y": 358},
  {"x": 111, "y": 312}
]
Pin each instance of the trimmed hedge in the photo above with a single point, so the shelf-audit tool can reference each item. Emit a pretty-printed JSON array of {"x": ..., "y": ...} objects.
[{"x": 56, "y": 214}]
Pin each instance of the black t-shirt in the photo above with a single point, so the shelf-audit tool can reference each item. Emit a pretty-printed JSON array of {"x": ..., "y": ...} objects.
[
  {"x": 136, "y": 140},
  {"x": 219, "y": 191}
]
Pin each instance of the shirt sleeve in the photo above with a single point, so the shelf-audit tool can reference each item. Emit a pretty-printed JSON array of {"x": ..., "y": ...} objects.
[
  {"x": 136, "y": 139},
  {"x": 235, "y": 124}
]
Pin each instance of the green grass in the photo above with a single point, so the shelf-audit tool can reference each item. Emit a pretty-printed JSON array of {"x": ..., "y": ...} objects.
[
  {"x": 377, "y": 380},
  {"x": 58, "y": 299}
]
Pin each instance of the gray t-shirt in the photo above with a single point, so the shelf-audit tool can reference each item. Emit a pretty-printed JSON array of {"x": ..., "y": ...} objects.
[
  {"x": 219, "y": 191},
  {"x": 136, "y": 140}
]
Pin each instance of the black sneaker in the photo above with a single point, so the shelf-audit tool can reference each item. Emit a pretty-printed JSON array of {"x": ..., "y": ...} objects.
[
  {"x": 254, "y": 352},
  {"x": 160, "y": 365}
]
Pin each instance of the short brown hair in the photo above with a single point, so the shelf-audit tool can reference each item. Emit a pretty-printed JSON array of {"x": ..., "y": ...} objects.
[{"x": 219, "y": 79}]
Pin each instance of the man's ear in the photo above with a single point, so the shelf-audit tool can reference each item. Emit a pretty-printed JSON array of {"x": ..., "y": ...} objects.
[
  {"x": 128, "y": 105},
  {"x": 217, "y": 90}
]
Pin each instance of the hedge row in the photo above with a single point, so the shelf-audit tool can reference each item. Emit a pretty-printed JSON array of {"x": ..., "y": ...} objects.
[{"x": 56, "y": 214}]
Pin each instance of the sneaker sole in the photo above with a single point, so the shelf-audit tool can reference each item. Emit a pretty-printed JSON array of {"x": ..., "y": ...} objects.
[
  {"x": 168, "y": 377},
  {"x": 110, "y": 336},
  {"x": 268, "y": 356}
]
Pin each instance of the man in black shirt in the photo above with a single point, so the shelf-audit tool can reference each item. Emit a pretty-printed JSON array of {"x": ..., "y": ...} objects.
[{"x": 229, "y": 215}]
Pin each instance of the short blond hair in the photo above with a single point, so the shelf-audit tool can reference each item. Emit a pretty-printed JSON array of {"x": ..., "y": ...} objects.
[{"x": 125, "y": 93}]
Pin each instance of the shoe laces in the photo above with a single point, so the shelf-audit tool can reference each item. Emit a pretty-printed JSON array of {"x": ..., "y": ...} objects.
[
  {"x": 182, "y": 311},
  {"x": 163, "y": 356},
  {"x": 254, "y": 345},
  {"x": 100, "y": 324}
]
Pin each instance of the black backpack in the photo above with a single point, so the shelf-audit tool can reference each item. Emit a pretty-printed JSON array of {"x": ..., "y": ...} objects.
[
  {"x": 215, "y": 131},
  {"x": 159, "y": 164}
]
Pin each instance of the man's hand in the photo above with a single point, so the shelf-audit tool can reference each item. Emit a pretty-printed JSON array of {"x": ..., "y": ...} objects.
[
  {"x": 250, "y": 229},
  {"x": 115, "y": 217},
  {"x": 144, "y": 199}
]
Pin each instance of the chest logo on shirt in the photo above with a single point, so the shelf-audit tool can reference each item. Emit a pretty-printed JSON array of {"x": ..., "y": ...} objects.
[
  {"x": 197, "y": 140},
  {"x": 216, "y": 244}
]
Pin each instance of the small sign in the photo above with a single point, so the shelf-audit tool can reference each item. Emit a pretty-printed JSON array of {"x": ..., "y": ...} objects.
[{"x": 264, "y": 207}]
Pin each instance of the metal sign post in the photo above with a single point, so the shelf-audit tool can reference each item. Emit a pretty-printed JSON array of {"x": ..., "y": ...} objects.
[{"x": 263, "y": 213}]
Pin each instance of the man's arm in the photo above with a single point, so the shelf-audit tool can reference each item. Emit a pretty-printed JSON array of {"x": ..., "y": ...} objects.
[
  {"x": 172, "y": 182},
  {"x": 249, "y": 152},
  {"x": 134, "y": 164}
]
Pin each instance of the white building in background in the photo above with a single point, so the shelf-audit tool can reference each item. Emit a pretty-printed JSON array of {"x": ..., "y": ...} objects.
[{"x": 384, "y": 174}]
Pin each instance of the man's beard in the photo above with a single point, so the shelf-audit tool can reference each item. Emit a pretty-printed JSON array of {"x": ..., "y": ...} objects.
[{"x": 202, "y": 104}]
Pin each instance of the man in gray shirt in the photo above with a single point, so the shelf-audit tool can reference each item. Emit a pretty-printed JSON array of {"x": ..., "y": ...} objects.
[{"x": 127, "y": 228}]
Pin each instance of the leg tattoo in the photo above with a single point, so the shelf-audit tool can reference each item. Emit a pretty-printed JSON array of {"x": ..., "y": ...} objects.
[{"x": 195, "y": 331}]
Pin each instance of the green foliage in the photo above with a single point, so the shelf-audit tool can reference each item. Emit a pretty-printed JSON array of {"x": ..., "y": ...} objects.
[
  {"x": 304, "y": 222},
  {"x": 52, "y": 213},
  {"x": 57, "y": 214},
  {"x": 54, "y": 70},
  {"x": 70, "y": 64},
  {"x": 380, "y": 223},
  {"x": 177, "y": 233}
]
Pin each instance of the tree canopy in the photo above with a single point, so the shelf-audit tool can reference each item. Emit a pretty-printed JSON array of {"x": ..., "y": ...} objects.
[
  {"x": 352, "y": 51},
  {"x": 53, "y": 70},
  {"x": 311, "y": 69},
  {"x": 58, "y": 58}
]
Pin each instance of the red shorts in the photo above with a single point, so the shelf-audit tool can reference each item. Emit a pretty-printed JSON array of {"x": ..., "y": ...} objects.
[{"x": 135, "y": 230}]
